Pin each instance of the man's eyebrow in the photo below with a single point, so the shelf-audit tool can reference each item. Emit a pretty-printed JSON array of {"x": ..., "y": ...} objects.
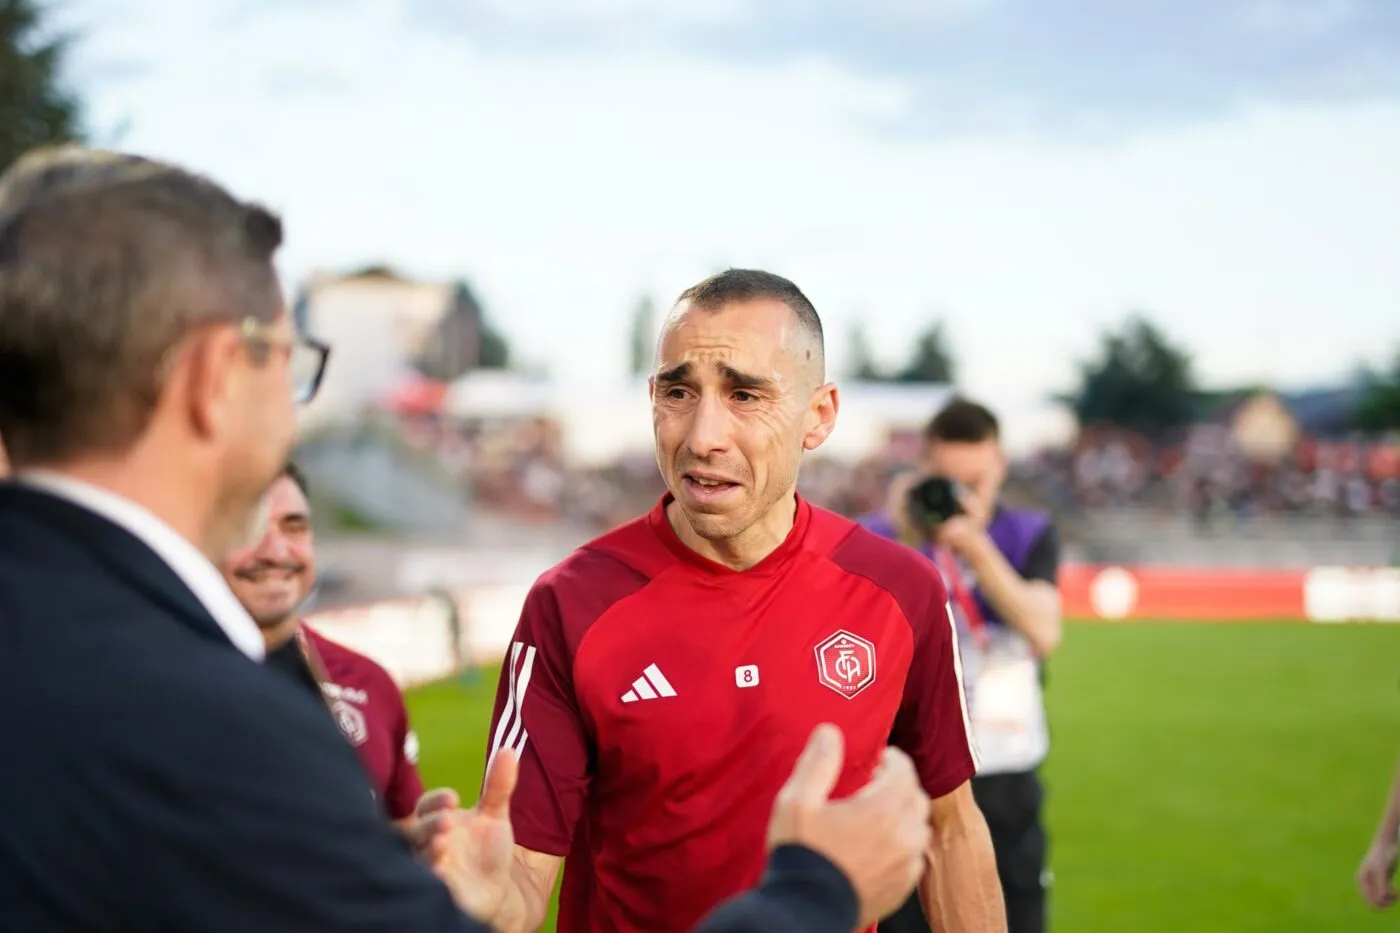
[
  {"x": 736, "y": 378},
  {"x": 674, "y": 374},
  {"x": 741, "y": 380}
]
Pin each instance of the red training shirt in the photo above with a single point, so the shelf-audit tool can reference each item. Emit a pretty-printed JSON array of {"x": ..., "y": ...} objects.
[
  {"x": 369, "y": 708},
  {"x": 659, "y": 700}
]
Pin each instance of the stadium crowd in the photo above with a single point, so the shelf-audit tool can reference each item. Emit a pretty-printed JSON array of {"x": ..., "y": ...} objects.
[
  {"x": 520, "y": 469},
  {"x": 1207, "y": 476}
]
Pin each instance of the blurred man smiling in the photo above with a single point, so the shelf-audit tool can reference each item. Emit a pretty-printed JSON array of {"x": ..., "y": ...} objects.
[{"x": 272, "y": 578}]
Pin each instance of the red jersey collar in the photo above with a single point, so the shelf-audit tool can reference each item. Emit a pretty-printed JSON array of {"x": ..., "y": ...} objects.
[{"x": 791, "y": 544}]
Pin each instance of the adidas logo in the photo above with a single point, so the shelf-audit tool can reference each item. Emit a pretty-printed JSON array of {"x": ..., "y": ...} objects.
[{"x": 649, "y": 686}]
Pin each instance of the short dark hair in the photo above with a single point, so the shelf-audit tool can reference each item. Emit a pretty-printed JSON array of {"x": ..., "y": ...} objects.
[
  {"x": 293, "y": 472},
  {"x": 107, "y": 262},
  {"x": 963, "y": 421},
  {"x": 735, "y": 285}
]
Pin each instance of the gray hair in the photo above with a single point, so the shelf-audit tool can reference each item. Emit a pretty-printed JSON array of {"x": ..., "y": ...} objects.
[{"x": 107, "y": 262}]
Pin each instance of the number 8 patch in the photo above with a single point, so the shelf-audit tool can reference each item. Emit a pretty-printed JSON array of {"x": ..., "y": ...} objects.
[{"x": 746, "y": 676}]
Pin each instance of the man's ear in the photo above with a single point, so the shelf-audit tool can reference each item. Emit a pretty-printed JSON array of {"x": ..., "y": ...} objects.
[
  {"x": 207, "y": 371},
  {"x": 821, "y": 415}
]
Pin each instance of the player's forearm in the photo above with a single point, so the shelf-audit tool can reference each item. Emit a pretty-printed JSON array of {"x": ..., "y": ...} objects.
[
  {"x": 1032, "y": 610},
  {"x": 1389, "y": 827},
  {"x": 961, "y": 892}
]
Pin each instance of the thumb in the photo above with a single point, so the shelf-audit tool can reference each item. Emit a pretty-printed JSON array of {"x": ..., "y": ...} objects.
[
  {"x": 817, "y": 767},
  {"x": 501, "y": 775}
]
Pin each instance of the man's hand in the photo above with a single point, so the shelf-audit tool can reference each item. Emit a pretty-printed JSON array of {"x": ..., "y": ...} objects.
[
  {"x": 897, "y": 505},
  {"x": 427, "y": 830},
  {"x": 877, "y": 837},
  {"x": 1375, "y": 877},
  {"x": 475, "y": 853},
  {"x": 963, "y": 535}
]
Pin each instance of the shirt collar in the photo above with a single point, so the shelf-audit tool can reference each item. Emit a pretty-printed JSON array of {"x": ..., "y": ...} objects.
[{"x": 188, "y": 563}]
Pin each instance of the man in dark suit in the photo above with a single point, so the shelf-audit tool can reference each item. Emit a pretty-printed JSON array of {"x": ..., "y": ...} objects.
[{"x": 158, "y": 777}]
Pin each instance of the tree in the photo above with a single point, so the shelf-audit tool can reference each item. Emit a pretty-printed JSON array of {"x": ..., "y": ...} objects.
[
  {"x": 1379, "y": 408},
  {"x": 463, "y": 340},
  {"x": 495, "y": 349},
  {"x": 455, "y": 347},
  {"x": 35, "y": 110},
  {"x": 863, "y": 365},
  {"x": 931, "y": 361},
  {"x": 641, "y": 342},
  {"x": 1139, "y": 380}
]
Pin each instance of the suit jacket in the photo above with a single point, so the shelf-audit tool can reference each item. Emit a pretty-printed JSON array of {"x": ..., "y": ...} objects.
[{"x": 157, "y": 779}]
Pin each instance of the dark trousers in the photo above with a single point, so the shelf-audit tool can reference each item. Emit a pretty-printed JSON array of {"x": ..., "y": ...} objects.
[{"x": 1012, "y": 805}]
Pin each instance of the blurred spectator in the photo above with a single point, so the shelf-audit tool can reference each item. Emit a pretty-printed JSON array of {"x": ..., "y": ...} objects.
[{"x": 518, "y": 467}]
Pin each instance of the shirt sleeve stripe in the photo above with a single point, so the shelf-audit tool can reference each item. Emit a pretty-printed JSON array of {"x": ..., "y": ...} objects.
[
  {"x": 962, "y": 689},
  {"x": 512, "y": 722},
  {"x": 517, "y": 729}
]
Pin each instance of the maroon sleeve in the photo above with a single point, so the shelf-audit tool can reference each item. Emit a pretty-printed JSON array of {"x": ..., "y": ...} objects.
[
  {"x": 405, "y": 785},
  {"x": 932, "y": 724},
  {"x": 537, "y": 715},
  {"x": 537, "y": 710}
]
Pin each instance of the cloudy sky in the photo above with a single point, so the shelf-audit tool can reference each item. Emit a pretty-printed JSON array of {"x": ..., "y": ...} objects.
[{"x": 1029, "y": 170}]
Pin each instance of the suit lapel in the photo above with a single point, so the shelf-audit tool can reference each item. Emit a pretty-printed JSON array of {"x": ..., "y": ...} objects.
[{"x": 117, "y": 550}]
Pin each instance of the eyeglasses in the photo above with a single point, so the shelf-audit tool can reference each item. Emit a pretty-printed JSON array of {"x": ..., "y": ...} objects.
[{"x": 306, "y": 356}]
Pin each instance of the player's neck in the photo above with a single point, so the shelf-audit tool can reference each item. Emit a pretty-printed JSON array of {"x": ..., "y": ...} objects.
[
  {"x": 745, "y": 550},
  {"x": 277, "y": 635}
]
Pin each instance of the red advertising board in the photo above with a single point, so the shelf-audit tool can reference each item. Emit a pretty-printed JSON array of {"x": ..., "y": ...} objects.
[{"x": 1212, "y": 594}]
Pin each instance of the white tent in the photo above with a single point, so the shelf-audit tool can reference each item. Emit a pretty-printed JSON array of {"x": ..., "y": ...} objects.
[{"x": 492, "y": 393}]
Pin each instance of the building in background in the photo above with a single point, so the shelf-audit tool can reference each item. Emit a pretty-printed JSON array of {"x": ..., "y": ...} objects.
[{"x": 382, "y": 325}]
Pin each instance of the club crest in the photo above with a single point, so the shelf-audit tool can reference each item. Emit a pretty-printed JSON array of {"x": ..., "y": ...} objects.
[{"x": 846, "y": 663}]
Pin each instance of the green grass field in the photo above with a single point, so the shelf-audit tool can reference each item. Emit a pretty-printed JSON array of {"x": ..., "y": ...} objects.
[{"x": 1208, "y": 778}]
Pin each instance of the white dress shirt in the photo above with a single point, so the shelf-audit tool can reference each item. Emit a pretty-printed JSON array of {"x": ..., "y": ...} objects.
[{"x": 186, "y": 560}]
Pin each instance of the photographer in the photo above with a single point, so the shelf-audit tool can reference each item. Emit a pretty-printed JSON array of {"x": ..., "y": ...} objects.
[{"x": 1000, "y": 565}]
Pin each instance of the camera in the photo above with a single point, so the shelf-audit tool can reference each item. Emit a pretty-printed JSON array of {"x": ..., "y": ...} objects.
[{"x": 933, "y": 501}]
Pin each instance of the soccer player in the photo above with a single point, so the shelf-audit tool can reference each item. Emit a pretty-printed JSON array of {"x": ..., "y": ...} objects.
[
  {"x": 272, "y": 578},
  {"x": 661, "y": 677}
]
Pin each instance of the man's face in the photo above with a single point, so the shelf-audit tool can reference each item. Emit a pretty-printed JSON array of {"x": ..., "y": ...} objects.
[
  {"x": 256, "y": 423},
  {"x": 736, "y": 399},
  {"x": 274, "y": 575},
  {"x": 980, "y": 468}
]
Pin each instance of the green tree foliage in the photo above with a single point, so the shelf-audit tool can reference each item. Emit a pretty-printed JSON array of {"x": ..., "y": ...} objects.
[
  {"x": 931, "y": 360},
  {"x": 464, "y": 340},
  {"x": 863, "y": 365},
  {"x": 1379, "y": 409},
  {"x": 495, "y": 350},
  {"x": 35, "y": 108},
  {"x": 1139, "y": 380},
  {"x": 642, "y": 339}
]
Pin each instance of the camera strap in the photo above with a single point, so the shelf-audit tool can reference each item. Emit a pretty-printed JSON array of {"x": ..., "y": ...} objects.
[{"x": 960, "y": 593}]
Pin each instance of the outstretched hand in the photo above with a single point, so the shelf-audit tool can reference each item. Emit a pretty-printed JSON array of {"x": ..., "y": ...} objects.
[
  {"x": 473, "y": 854},
  {"x": 878, "y": 837}
]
